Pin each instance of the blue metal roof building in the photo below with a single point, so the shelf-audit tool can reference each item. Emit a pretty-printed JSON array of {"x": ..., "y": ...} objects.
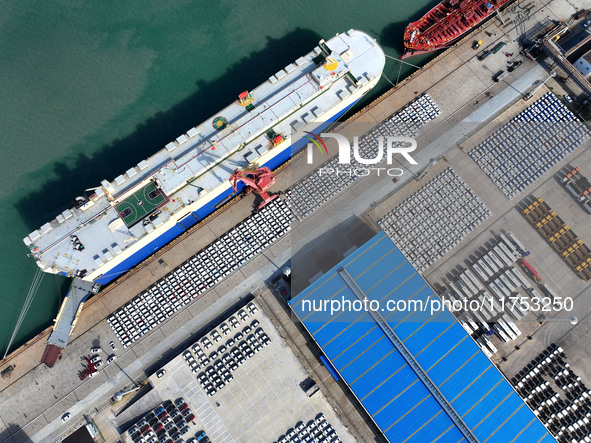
[{"x": 418, "y": 375}]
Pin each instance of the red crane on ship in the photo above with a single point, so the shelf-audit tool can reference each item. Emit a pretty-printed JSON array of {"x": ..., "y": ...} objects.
[{"x": 257, "y": 181}]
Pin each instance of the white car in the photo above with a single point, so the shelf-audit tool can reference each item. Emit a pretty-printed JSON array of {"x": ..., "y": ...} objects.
[
  {"x": 215, "y": 335},
  {"x": 233, "y": 322},
  {"x": 206, "y": 343},
  {"x": 225, "y": 329},
  {"x": 113, "y": 347},
  {"x": 92, "y": 374},
  {"x": 96, "y": 350},
  {"x": 98, "y": 364},
  {"x": 587, "y": 23},
  {"x": 66, "y": 417},
  {"x": 111, "y": 359},
  {"x": 95, "y": 359},
  {"x": 161, "y": 373},
  {"x": 243, "y": 315},
  {"x": 252, "y": 308}
]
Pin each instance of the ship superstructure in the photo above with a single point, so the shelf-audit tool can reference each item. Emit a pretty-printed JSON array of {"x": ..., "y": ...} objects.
[{"x": 127, "y": 219}]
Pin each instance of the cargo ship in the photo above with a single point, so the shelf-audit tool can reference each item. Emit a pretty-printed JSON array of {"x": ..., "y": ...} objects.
[
  {"x": 127, "y": 219},
  {"x": 445, "y": 23},
  {"x": 124, "y": 221}
]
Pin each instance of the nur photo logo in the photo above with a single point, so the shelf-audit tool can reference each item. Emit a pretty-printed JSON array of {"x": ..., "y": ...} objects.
[{"x": 350, "y": 154}]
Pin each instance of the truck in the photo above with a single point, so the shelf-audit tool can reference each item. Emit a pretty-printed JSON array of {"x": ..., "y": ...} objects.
[
  {"x": 455, "y": 288},
  {"x": 484, "y": 348},
  {"x": 511, "y": 325},
  {"x": 514, "y": 310},
  {"x": 466, "y": 289},
  {"x": 488, "y": 346},
  {"x": 494, "y": 301},
  {"x": 509, "y": 245},
  {"x": 485, "y": 308},
  {"x": 549, "y": 291},
  {"x": 516, "y": 64},
  {"x": 496, "y": 291},
  {"x": 500, "y": 75},
  {"x": 535, "y": 295},
  {"x": 520, "y": 248},
  {"x": 488, "y": 330},
  {"x": 471, "y": 323},
  {"x": 500, "y": 330},
  {"x": 467, "y": 325},
  {"x": 508, "y": 330},
  {"x": 484, "y": 54},
  {"x": 530, "y": 270}
]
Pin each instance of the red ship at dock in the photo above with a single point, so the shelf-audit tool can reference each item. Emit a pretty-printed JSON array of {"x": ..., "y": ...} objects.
[{"x": 445, "y": 23}]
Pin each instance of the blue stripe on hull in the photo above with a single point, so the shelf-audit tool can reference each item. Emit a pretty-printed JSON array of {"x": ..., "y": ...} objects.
[{"x": 205, "y": 210}]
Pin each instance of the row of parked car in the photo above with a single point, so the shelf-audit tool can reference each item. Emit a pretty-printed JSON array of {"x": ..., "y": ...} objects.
[
  {"x": 167, "y": 423},
  {"x": 217, "y": 366},
  {"x": 315, "y": 431},
  {"x": 219, "y": 374},
  {"x": 225, "y": 328}
]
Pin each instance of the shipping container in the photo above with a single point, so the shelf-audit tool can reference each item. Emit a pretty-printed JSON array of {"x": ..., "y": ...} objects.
[
  {"x": 491, "y": 264},
  {"x": 514, "y": 281},
  {"x": 504, "y": 289},
  {"x": 480, "y": 272},
  {"x": 486, "y": 268},
  {"x": 456, "y": 288},
  {"x": 522, "y": 279},
  {"x": 496, "y": 259},
  {"x": 473, "y": 279},
  {"x": 508, "y": 283},
  {"x": 504, "y": 258},
  {"x": 467, "y": 282}
]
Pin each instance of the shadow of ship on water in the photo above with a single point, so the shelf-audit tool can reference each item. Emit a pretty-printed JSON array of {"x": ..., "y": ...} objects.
[{"x": 113, "y": 159}]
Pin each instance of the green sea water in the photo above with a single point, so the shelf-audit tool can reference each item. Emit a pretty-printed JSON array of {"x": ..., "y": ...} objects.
[{"x": 89, "y": 89}]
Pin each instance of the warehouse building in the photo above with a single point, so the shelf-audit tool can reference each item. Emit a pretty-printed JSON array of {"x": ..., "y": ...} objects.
[{"x": 418, "y": 374}]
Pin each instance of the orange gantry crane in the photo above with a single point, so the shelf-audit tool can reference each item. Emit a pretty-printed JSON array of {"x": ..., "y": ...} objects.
[{"x": 257, "y": 181}]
